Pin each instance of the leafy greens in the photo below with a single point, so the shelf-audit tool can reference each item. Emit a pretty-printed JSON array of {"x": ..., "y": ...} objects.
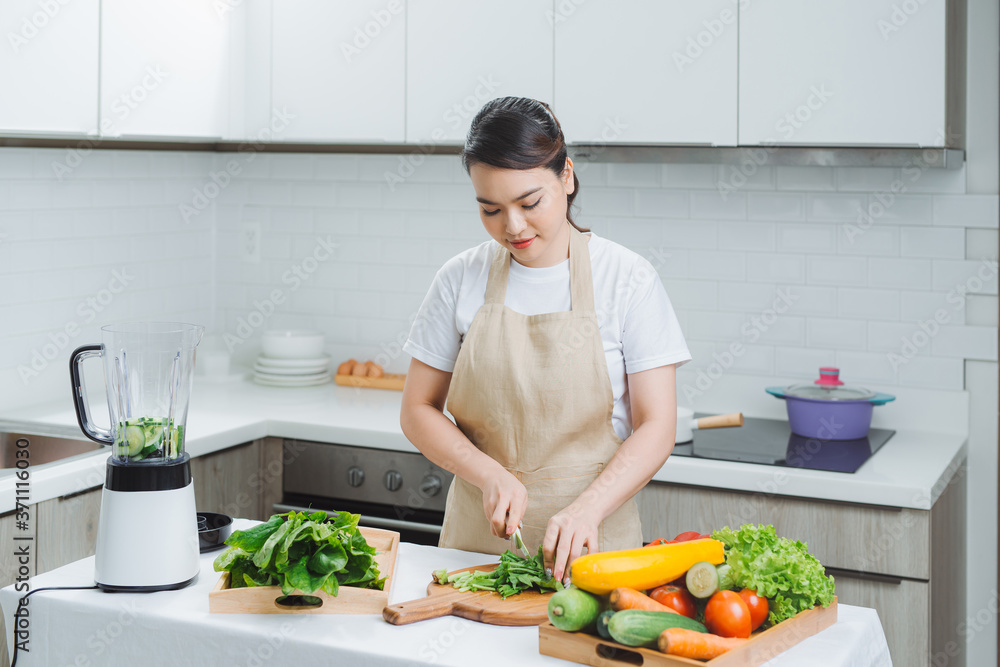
[
  {"x": 299, "y": 551},
  {"x": 513, "y": 575},
  {"x": 779, "y": 569}
]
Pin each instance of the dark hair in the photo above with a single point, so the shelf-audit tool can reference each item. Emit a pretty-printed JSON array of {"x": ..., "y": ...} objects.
[{"x": 519, "y": 133}]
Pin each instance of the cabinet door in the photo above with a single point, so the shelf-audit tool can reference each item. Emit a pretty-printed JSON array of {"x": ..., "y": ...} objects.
[
  {"x": 230, "y": 481},
  {"x": 164, "y": 68},
  {"x": 338, "y": 69},
  {"x": 646, "y": 71},
  {"x": 67, "y": 529},
  {"x": 48, "y": 72},
  {"x": 843, "y": 72},
  {"x": 903, "y": 607},
  {"x": 461, "y": 54}
]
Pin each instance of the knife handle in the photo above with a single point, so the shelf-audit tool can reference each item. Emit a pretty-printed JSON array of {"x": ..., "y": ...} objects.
[{"x": 721, "y": 421}]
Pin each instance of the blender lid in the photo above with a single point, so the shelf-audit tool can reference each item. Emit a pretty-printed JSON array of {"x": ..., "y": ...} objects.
[{"x": 829, "y": 388}]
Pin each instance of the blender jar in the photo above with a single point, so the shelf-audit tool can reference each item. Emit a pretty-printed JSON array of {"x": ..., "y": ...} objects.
[{"x": 148, "y": 369}]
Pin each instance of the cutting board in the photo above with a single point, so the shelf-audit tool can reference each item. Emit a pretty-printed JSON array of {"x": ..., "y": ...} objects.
[
  {"x": 387, "y": 381},
  {"x": 527, "y": 608},
  {"x": 349, "y": 600},
  {"x": 762, "y": 646}
]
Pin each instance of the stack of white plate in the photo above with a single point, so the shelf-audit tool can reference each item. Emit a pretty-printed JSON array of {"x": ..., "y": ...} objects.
[
  {"x": 291, "y": 372},
  {"x": 292, "y": 358}
]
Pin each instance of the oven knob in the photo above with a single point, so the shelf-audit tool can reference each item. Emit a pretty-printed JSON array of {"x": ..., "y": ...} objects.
[
  {"x": 430, "y": 486},
  {"x": 355, "y": 476},
  {"x": 393, "y": 480}
]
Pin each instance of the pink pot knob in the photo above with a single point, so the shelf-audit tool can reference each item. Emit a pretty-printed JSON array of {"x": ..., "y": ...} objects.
[{"x": 829, "y": 376}]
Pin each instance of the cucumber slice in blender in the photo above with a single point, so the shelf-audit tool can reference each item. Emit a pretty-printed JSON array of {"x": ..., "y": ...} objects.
[{"x": 135, "y": 440}]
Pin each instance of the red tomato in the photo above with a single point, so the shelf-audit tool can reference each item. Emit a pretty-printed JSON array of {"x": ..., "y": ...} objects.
[
  {"x": 661, "y": 540},
  {"x": 688, "y": 535},
  {"x": 727, "y": 615},
  {"x": 676, "y": 598},
  {"x": 757, "y": 606}
]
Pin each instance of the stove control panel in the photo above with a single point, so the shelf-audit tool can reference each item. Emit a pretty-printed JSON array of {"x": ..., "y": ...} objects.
[{"x": 404, "y": 479}]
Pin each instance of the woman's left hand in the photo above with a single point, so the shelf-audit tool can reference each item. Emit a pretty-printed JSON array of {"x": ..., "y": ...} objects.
[{"x": 566, "y": 534}]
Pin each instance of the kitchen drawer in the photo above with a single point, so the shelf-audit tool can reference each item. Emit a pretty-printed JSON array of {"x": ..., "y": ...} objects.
[
  {"x": 903, "y": 607},
  {"x": 841, "y": 535},
  {"x": 67, "y": 529}
]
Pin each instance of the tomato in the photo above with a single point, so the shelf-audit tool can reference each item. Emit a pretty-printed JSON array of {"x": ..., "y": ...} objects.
[
  {"x": 688, "y": 535},
  {"x": 727, "y": 615},
  {"x": 676, "y": 598},
  {"x": 661, "y": 540},
  {"x": 757, "y": 605}
]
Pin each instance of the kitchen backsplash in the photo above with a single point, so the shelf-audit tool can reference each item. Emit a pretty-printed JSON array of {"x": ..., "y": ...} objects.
[{"x": 774, "y": 271}]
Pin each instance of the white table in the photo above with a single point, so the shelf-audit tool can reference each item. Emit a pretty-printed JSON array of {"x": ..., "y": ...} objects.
[{"x": 90, "y": 627}]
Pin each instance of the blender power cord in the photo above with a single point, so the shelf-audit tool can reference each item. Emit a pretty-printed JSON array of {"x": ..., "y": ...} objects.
[{"x": 23, "y": 601}]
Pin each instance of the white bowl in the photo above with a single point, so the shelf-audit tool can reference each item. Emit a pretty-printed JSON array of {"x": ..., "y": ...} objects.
[{"x": 292, "y": 344}]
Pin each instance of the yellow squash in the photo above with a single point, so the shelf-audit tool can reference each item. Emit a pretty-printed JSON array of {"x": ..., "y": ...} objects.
[{"x": 644, "y": 568}]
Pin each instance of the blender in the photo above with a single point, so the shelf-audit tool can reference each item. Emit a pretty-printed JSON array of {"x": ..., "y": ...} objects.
[{"x": 147, "y": 537}]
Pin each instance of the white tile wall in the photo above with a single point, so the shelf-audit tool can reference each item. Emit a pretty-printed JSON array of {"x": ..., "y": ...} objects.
[{"x": 859, "y": 268}]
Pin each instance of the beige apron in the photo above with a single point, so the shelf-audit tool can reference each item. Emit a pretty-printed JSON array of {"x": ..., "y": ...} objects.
[{"x": 533, "y": 393}]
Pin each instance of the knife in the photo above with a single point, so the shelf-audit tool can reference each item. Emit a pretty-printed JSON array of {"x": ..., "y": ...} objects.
[{"x": 519, "y": 542}]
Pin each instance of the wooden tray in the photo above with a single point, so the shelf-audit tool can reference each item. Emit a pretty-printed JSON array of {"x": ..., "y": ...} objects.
[
  {"x": 264, "y": 599},
  {"x": 387, "y": 381},
  {"x": 527, "y": 608},
  {"x": 591, "y": 650}
]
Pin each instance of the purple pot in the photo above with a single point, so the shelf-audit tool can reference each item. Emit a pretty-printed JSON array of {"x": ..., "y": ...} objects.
[{"x": 827, "y": 410}]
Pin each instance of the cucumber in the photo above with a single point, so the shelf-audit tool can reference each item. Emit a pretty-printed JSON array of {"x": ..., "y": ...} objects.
[
  {"x": 572, "y": 609},
  {"x": 635, "y": 627},
  {"x": 602, "y": 623},
  {"x": 135, "y": 440},
  {"x": 702, "y": 580}
]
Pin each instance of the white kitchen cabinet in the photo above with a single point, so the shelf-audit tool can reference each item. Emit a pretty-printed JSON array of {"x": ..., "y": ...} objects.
[
  {"x": 338, "y": 69},
  {"x": 165, "y": 68},
  {"x": 49, "y": 66},
  {"x": 848, "y": 72},
  {"x": 461, "y": 54},
  {"x": 646, "y": 71}
]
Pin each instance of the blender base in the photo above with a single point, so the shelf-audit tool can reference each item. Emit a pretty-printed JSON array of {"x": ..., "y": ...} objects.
[
  {"x": 110, "y": 588},
  {"x": 147, "y": 540}
]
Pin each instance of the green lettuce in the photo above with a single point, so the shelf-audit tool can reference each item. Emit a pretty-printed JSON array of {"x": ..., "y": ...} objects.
[
  {"x": 779, "y": 569},
  {"x": 299, "y": 551}
]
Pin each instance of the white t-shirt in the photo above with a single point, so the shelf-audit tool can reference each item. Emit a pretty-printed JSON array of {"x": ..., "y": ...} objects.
[{"x": 638, "y": 326}]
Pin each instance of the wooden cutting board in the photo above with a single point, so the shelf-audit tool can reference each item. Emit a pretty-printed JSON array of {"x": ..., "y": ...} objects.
[
  {"x": 762, "y": 646},
  {"x": 527, "y": 608}
]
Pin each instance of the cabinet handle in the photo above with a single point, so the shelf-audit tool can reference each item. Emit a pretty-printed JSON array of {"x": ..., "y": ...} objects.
[
  {"x": 374, "y": 521},
  {"x": 864, "y": 576}
]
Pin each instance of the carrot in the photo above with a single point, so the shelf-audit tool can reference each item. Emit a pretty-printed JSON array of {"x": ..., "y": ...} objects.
[
  {"x": 697, "y": 645},
  {"x": 629, "y": 598}
]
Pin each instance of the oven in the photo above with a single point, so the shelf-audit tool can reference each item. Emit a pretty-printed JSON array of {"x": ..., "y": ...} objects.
[{"x": 401, "y": 491}]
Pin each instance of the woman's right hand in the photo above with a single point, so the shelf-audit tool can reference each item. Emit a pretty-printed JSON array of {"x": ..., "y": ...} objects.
[{"x": 504, "y": 500}]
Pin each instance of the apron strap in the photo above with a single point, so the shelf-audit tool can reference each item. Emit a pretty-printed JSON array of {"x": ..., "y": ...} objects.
[{"x": 581, "y": 281}]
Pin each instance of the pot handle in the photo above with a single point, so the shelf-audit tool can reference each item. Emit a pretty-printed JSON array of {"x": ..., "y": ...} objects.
[
  {"x": 777, "y": 392},
  {"x": 89, "y": 428},
  {"x": 881, "y": 399}
]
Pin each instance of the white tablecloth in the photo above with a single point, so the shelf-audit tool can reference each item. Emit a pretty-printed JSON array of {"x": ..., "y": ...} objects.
[{"x": 175, "y": 628}]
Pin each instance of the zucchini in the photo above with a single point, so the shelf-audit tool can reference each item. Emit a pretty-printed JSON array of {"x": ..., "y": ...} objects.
[
  {"x": 643, "y": 568},
  {"x": 572, "y": 609},
  {"x": 602, "y": 623},
  {"x": 702, "y": 580},
  {"x": 634, "y": 627}
]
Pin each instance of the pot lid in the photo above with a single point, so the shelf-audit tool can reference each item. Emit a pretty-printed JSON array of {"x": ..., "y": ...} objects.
[{"x": 829, "y": 388}]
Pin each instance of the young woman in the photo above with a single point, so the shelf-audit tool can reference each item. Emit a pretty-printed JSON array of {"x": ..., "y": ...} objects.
[{"x": 555, "y": 351}]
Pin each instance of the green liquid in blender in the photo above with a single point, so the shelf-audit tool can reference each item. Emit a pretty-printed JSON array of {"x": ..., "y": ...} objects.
[{"x": 149, "y": 438}]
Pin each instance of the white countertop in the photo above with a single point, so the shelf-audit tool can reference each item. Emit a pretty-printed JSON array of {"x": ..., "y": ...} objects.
[
  {"x": 176, "y": 628},
  {"x": 911, "y": 470}
]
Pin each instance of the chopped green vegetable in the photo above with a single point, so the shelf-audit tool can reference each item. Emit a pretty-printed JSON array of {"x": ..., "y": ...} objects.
[
  {"x": 513, "y": 575},
  {"x": 299, "y": 551},
  {"x": 779, "y": 569}
]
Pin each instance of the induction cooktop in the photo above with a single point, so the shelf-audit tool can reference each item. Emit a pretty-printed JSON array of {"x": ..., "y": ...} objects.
[{"x": 771, "y": 442}]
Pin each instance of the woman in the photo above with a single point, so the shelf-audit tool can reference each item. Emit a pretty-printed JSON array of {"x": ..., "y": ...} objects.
[{"x": 551, "y": 348}]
